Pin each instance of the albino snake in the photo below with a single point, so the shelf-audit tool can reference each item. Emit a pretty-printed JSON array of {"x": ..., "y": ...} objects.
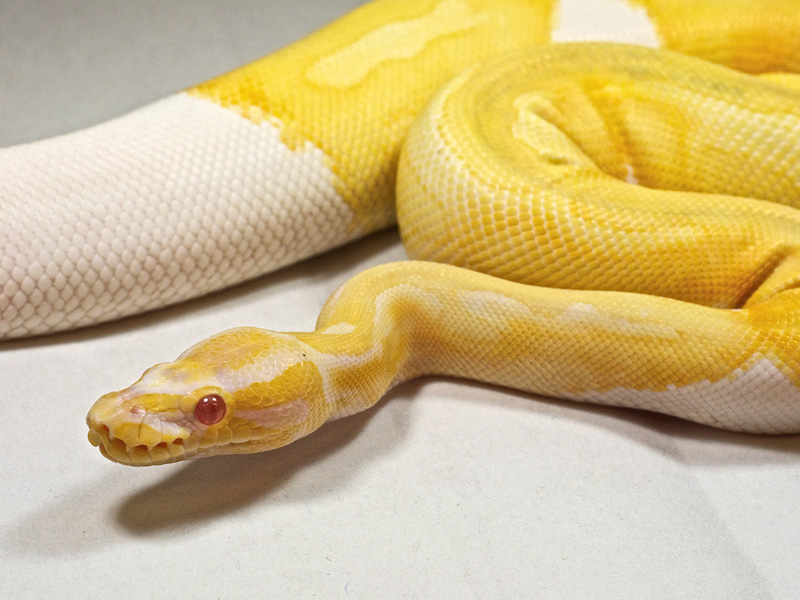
[{"x": 625, "y": 189}]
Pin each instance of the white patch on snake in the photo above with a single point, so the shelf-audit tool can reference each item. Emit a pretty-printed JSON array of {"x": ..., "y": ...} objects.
[
  {"x": 287, "y": 413},
  {"x": 169, "y": 430},
  {"x": 583, "y": 315},
  {"x": 604, "y": 20},
  {"x": 384, "y": 321},
  {"x": 182, "y": 220},
  {"x": 404, "y": 39},
  {"x": 339, "y": 329},
  {"x": 419, "y": 296},
  {"x": 154, "y": 382},
  {"x": 163, "y": 379},
  {"x": 535, "y": 128},
  {"x": 630, "y": 176},
  {"x": 283, "y": 359},
  {"x": 753, "y": 398},
  {"x": 486, "y": 304},
  {"x": 495, "y": 311}
]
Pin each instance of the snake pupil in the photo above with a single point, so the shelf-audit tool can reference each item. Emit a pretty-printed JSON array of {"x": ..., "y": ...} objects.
[{"x": 210, "y": 409}]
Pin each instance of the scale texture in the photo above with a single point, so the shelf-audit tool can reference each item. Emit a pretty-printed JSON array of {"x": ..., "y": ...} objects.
[
  {"x": 279, "y": 160},
  {"x": 618, "y": 222}
]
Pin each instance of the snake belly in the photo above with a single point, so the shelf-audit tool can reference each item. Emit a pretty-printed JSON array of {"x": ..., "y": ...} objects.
[{"x": 619, "y": 227}]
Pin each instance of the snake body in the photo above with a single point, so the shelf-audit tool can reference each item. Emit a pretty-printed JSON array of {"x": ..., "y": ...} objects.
[
  {"x": 269, "y": 164},
  {"x": 618, "y": 222}
]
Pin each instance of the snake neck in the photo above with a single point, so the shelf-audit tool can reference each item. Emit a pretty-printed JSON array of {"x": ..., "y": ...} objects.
[
  {"x": 399, "y": 321},
  {"x": 366, "y": 338},
  {"x": 396, "y": 322}
]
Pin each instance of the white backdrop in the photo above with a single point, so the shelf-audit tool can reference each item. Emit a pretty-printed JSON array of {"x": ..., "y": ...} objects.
[{"x": 447, "y": 489}]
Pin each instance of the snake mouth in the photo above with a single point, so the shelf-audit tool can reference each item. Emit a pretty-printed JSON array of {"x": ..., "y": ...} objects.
[
  {"x": 140, "y": 455},
  {"x": 162, "y": 453}
]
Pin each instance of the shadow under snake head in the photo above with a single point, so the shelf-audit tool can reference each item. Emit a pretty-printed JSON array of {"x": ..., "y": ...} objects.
[{"x": 243, "y": 390}]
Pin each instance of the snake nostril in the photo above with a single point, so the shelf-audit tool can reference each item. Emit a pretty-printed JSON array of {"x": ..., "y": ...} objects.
[{"x": 178, "y": 441}]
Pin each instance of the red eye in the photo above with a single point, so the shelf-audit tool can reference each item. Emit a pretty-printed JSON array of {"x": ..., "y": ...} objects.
[{"x": 210, "y": 409}]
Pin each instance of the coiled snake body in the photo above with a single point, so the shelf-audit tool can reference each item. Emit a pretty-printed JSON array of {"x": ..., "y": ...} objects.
[{"x": 606, "y": 223}]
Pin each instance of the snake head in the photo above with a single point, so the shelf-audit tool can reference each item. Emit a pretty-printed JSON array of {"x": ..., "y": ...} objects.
[{"x": 243, "y": 390}]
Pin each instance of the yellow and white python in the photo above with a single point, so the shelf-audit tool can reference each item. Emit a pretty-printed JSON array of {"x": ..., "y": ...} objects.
[{"x": 604, "y": 222}]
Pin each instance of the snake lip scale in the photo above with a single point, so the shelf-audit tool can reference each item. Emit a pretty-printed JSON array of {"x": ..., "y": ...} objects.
[{"x": 598, "y": 221}]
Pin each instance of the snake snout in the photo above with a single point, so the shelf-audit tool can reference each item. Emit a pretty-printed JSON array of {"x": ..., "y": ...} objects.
[{"x": 128, "y": 434}]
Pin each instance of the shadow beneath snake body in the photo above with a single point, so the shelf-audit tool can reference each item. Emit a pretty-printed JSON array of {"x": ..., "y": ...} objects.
[
  {"x": 183, "y": 498},
  {"x": 684, "y": 441},
  {"x": 208, "y": 488}
]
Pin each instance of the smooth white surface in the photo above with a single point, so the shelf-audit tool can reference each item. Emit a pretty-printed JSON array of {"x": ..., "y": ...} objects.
[
  {"x": 446, "y": 490},
  {"x": 117, "y": 202}
]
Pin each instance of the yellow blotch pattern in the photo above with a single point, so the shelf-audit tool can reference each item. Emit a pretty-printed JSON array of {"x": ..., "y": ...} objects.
[
  {"x": 754, "y": 36},
  {"x": 524, "y": 171},
  {"x": 353, "y": 87}
]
